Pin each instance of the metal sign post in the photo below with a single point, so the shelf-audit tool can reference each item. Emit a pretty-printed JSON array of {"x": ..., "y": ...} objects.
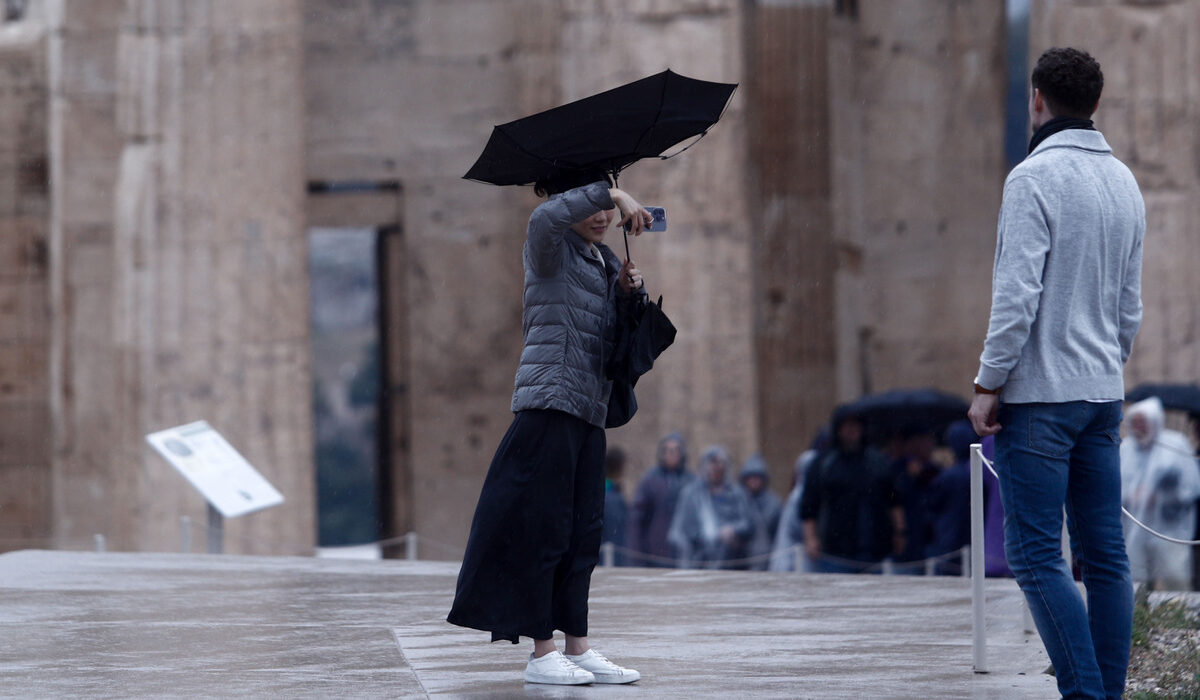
[{"x": 216, "y": 531}]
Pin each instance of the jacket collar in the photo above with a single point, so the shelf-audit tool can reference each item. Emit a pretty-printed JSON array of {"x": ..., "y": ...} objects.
[{"x": 581, "y": 247}]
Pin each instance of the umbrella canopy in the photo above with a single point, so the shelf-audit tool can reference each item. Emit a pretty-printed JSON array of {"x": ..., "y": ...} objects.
[
  {"x": 891, "y": 412},
  {"x": 1175, "y": 397},
  {"x": 603, "y": 133}
]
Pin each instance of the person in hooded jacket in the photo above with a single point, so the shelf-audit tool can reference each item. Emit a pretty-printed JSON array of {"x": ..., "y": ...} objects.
[
  {"x": 712, "y": 524},
  {"x": 1160, "y": 482},
  {"x": 852, "y": 516},
  {"x": 654, "y": 504},
  {"x": 765, "y": 510},
  {"x": 535, "y": 537}
]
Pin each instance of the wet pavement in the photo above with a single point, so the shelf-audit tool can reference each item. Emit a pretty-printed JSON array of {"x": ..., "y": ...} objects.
[{"x": 163, "y": 625}]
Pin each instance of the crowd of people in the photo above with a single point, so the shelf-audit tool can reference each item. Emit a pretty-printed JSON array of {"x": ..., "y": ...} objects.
[{"x": 853, "y": 506}]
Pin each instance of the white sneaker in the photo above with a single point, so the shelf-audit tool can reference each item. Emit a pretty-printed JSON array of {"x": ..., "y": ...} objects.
[
  {"x": 604, "y": 670},
  {"x": 555, "y": 669}
]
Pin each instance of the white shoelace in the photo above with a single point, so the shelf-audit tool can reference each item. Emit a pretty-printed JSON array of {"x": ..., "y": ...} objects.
[{"x": 564, "y": 663}]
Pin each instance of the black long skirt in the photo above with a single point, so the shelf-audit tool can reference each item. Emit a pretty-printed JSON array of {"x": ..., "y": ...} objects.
[{"x": 535, "y": 538}]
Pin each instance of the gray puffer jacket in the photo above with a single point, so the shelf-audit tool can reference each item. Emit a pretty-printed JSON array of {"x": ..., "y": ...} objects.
[{"x": 569, "y": 315}]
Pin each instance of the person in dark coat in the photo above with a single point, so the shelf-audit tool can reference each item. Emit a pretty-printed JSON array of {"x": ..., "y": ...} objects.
[
  {"x": 949, "y": 502},
  {"x": 535, "y": 536},
  {"x": 852, "y": 518},
  {"x": 615, "y": 509},
  {"x": 654, "y": 504},
  {"x": 765, "y": 509},
  {"x": 914, "y": 472}
]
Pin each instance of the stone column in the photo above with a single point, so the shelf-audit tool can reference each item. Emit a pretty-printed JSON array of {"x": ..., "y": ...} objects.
[
  {"x": 788, "y": 134},
  {"x": 24, "y": 305},
  {"x": 917, "y": 93},
  {"x": 1148, "y": 113},
  {"x": 179, "y": 249}
]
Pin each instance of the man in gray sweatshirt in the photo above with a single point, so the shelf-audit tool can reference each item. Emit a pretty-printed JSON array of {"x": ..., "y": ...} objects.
[{"x": 1066, "y": 304}]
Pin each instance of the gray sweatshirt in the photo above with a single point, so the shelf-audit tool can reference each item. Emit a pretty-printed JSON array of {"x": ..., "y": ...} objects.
[{"x": 1066, "y": 286}]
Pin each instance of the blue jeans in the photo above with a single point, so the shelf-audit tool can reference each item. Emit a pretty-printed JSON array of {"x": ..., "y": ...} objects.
[{"x": 1067, "y": 454}]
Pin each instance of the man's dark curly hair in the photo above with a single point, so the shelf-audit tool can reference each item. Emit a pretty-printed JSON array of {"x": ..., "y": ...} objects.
[{"x": 1070, "y": 82}]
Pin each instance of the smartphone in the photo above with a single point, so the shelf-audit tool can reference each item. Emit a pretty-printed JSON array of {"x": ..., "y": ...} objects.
[{"x": 660, "y": 219}]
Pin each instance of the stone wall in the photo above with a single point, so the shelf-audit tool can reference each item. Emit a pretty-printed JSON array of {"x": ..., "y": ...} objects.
[
  {"x": 1148, "y": 113},
  {"x": 832, "y": 235},
  {"x": 178, "y": 262},
  {"x": 917, "y": 95},
  {"x": 24, "y": 304}
]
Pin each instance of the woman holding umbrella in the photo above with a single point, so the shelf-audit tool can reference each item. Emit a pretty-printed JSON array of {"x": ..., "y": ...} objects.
[{"x": 535, "y": 537}]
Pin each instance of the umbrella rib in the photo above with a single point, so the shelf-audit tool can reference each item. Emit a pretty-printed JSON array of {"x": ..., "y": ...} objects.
[{"x": 662, "y": 98}]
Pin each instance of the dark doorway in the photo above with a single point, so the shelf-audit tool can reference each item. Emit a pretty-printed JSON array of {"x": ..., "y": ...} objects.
[{"x": 347, "y": 379}]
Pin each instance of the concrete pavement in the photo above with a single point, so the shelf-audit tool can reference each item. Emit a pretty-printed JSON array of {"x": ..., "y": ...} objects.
[{"x": 165, "y": 625}]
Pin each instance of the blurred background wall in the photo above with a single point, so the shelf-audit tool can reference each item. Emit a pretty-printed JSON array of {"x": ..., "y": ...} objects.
[{"x": 169, "y": 168}]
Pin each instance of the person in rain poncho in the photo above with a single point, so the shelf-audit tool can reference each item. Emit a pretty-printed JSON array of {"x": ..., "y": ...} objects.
[
  {"x": 765, "y": 510},
  {"x": 654, "y": 504},
  {"x": 1160, "y": 481},
  {"x": 712, "y": 522}
]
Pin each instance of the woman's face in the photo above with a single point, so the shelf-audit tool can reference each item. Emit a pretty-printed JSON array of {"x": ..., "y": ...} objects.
[{"x": 592, "y": 229}]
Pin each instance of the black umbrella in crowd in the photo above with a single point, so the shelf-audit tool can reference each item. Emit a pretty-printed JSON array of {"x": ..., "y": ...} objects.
[
  {"x": 1175, "y": 397},
  {"x": 603, "y": 133},
  {"x": 903, "y": 410}
]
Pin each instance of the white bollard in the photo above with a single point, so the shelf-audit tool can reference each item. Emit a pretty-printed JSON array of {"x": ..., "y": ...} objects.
[
  {"x": 410, "y": 546},
  {"x": 101, "y": 543},
  {"x": 889, "y": 567},
  {"x": 931, "y": 567},
  {"x": 964, "y": 555},
  {"x": 608, "y": 554},
  {"x": 979, "y": 636},
  {"x": 798, "y": 558}
]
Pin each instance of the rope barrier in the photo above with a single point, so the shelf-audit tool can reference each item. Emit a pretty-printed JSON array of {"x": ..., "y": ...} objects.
[
  {"x": 863, "y": 566},
  {"x": 989, "y": 464}
]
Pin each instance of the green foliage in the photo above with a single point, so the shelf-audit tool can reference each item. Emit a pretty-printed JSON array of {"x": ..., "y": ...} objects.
[{"x": 1166, "y": 650}]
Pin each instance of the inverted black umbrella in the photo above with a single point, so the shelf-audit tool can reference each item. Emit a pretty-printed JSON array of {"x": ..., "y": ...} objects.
[
  {"x": 1175, "y": 397},
  {"x": 903, "y": 410},
  {"x": 603, "y": 133}
]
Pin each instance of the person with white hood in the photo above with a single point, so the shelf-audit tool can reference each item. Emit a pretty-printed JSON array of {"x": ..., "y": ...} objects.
[
  {"x": 712, "y": 525},
  {"x": 1160, "y": 481}
]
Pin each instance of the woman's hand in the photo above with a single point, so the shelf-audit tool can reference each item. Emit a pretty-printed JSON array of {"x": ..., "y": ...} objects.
[
  {"x": 633, "y": 215},
  {"x": 630, "y": 278}
]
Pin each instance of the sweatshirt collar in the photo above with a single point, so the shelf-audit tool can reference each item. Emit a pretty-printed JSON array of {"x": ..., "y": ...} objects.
[{"x": 1074, "y": 138}]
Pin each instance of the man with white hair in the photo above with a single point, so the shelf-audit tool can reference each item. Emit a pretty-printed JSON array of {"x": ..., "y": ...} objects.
[{"x": 1160, "y": 481}]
